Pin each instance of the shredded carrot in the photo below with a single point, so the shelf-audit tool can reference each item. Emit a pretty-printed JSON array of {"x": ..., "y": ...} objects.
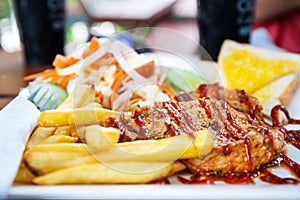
[
  {"x": 52, "y": 73},
  {"x": 100, "y": 96},
  {"x": 53, "y": 77},
  {"x": 94, "y": 43},
  {"x": 117, "y": 79},
  {"x": 64, "y": 80},
  {"x": 132, "y": 101},
  {"x": 93, "y": 46},
  {"x": 72, "y": 60},
  {"x": 60, "y": 61},
  {"x": 169, "y": 91},
  {"x": 36, "y": 75}
]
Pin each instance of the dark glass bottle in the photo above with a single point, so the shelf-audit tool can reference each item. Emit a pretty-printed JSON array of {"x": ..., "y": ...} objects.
[
  {"x": 41, "y": 24},
  {"x": 223, "y": 19}
]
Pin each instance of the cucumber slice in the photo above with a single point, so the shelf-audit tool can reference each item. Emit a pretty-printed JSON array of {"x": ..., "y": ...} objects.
[
  {"x": 53, "y": 90},
  {"x": 183, "y": 81}
]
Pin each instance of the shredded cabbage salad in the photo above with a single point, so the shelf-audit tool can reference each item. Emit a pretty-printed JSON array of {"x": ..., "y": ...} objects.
[{"x": 121, "y": 78}]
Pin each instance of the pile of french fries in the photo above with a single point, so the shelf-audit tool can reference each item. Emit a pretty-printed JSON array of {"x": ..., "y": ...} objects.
[{"x": 70, "y": 146}]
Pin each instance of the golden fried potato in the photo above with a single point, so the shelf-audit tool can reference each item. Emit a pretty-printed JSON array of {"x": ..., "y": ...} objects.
[
  {"x": 101, "y": 137},
  {"x": 79, "y": 148},
  {"x": 78, "y": 131},
  {"x": 64, "y": 130},
  {"x": 76, "y": 116},
  {"x": 39, "y": 134},
  {"x": 45, "y": 162},
  {"x": 117, "y": 172},
  {"x": 24, "y": 175},
  {"x": 166, "y": 149},
  {"x": 59, "y": 139},
  {"x": 44, "y": 158}
]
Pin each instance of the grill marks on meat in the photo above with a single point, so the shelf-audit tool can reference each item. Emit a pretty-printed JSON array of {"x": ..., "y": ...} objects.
[
  {"x": 243, "y": 141},
  {"x": 238, "y": 99}
]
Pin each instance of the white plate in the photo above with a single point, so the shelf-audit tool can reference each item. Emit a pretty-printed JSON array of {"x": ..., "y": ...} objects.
[
  {"x": 157, "y": 192},
  {"x": 176, "y": 190}
]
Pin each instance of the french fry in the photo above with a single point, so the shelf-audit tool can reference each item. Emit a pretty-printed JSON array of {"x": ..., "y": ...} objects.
[
  {"x": 177, "y": 166},
  {"x": 39, "y": 134},
  {"x": 76, "y": 116},
  {"x": 44, "y": 158},
  {"x": 24, "y": 175},
  {"x": 45, "y": 162},
  {"x": 63, "y": 130},
  {"x": 129, "y": 172},
  {"x": 78, "y": 131},
  {"x": 101, "y": 137},
  {"x": 79, "y": 148},
  {"x": 167, "y": 149},
  {"x": 58, "y": 139}
]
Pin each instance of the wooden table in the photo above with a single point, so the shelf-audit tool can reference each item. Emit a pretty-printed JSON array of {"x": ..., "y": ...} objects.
[{"x": 12, "y": 71}]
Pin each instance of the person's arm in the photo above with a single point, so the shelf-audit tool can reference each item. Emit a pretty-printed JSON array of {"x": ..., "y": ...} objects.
[{"x": 267, "y": 9}]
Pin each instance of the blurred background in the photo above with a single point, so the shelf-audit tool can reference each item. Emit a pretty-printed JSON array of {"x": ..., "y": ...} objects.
[{"x": 85, "y": 18}]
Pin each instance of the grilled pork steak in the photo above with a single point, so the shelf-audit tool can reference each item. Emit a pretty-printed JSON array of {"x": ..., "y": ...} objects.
[
  {"x": 238, "y": 99},
  {"x": 242, "y": 143}
]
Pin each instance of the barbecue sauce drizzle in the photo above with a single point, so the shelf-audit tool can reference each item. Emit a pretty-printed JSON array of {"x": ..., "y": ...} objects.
[
  {"x": 182, "y": 120},
  {"x": 291, "y": 136},
  {"x": 180, "y": 116},
  {"x": 138, "y": 119},
  {"x": 226, "y": 149}
]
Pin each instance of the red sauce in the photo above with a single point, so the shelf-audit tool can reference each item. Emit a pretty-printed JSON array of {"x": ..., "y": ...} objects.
[
  {"x": 245, "y": 100},
  {"x": 217, "y": 120},
  {"x": 275, "y": 115},
  {"x": 172, "y": 130},
  {"x": 138, "y": 119},
  {"x": 244, "y": 178},
  {"x": 163, "y": 181},
  {"x": 183, "y": 97},
  {"x": 187, "y": 122},
  {"x": 248, "y": 178},
  {"x": 291, "y": 136},
  {"x": 271, "y": 178},
  {"x": 247, "y": 144},
  {"x": 231, "y": 131},
  {"x": 227, "y": 149},
  {"x": 196, "y": 181},
  {"x": 206, "y": 107},
  {"x": 249, "y": 118},
  {"x": 181, "y": 118},
  {"x": 233, "y": 123},
  {"x": 291, "y": 165},
  {"x": 137, "y": 114},
  {"x": 271, "y": 139},
  {"x": 168, "y": 107},
  {"x": 202, "y": 90},
  {"x": 283, "y": 161},
  {"x": 123, "y": 125}
]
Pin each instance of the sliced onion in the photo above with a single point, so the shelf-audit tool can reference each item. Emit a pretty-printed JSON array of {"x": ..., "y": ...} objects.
[
  {"x": 118, "y": 48},
  {"x": 69, "y": 70},
  {"x": 104, "y": 48}
]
